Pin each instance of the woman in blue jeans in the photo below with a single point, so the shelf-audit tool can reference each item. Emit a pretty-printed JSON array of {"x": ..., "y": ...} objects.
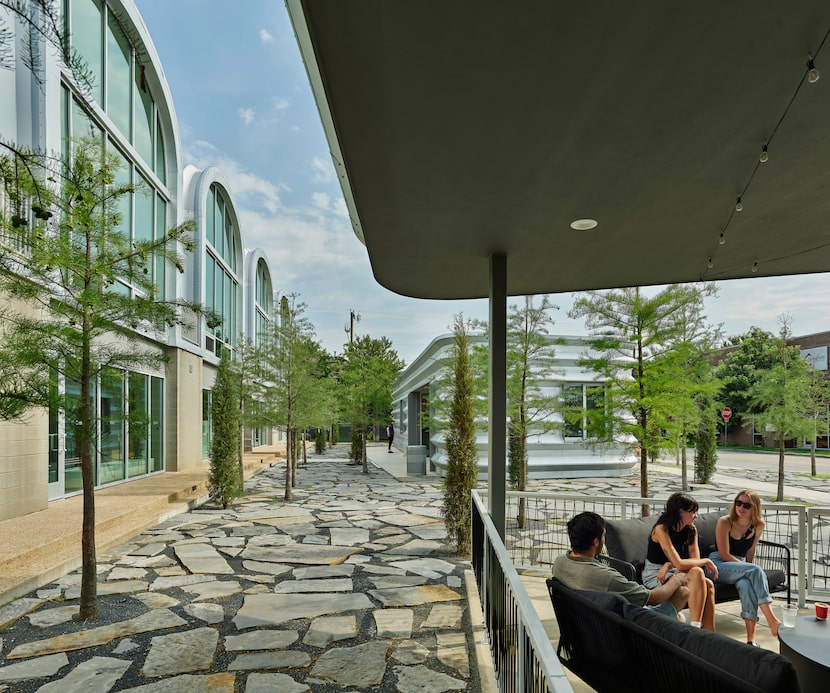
[{"x": 737, "y": 535}]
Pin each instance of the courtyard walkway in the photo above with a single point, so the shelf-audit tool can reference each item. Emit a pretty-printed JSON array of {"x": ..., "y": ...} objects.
[{"x": 348, "y": 587}]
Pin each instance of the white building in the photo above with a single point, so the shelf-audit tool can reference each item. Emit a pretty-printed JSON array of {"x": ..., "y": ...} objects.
[
  {"x": 130, "y": 107},
  {"x": 563, "y": 452}
]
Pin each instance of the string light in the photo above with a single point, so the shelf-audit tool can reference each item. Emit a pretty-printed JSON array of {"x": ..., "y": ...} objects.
[
  {"x": 813, "y": 75},
  {"x": 722, "y": 239},
  {"x": 710, "y": 264},
  {"x": 739, "y": 206},
  {"x": 764, "y": 155},
  {"x": 755, "y": 267}
]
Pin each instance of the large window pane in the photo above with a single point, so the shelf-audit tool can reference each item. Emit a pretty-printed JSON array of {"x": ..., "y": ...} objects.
[
  {"x": 138, "y": 425},
  {"x": 210, "y": 213},
  {"x": 160, "y": 262},
  {"x": 112, "y": 427},
  {"x": 72, "y": 446},
  {"x": 161, "y": 167},
  {"x": 207, "y": 399},
  {"x": 118, "y": 76},
  {"x": 210, "y": 270},
  {"x": 156, "y": 424},
  {"x": 144, "y": 118},
  {"x": 86, "y": 39},
  {"x": 143, "y": 230}
]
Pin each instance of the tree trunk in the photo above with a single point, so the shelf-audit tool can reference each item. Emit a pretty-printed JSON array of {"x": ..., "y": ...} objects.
[
  {"x": 88, "y": 609},
  {"x": 780, "y": 497},
  {"x": 645, "y": 510},
  {"x": 683, "y": 469},
  {"x": 305, "y": 454},
  {"x": 363, "y": 447},
  {"x": 288, "y": 463},
  {"x": 813, "y": 457}
]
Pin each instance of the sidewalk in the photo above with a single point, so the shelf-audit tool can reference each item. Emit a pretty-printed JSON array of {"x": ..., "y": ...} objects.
[
  {"x": 42, "y": 546},
  {"x": 348, "y": 586}
]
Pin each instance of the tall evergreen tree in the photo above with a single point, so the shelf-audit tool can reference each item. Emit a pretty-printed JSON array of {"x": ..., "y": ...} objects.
[
  {"x": 629, "y": 334},
  {"x": 81, "y": 294},
  {"x": 370, "y": 367},
  {"x": 225, "y": 478},
  {"x": 462, "y": 455},
  {"x": 780, "y": 398}
]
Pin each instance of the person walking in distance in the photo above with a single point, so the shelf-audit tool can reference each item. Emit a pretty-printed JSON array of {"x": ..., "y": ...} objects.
[{"x": 390, "y": 433}]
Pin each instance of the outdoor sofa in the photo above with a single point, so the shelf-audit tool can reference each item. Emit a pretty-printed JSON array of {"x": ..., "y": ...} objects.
[
  {"x": 616, "y": 646},
  {"x": 626, "y": 542}
]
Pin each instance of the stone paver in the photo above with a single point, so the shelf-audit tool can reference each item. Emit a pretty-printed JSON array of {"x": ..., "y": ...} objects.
[{"x": 324, "y": 592}]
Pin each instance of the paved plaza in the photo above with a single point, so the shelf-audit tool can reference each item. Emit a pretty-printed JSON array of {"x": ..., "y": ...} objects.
[{"x": 348, "y": 587}]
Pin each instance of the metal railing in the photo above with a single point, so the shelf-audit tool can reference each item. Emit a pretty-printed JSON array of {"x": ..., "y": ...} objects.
[{"x": 523, "y": 656}]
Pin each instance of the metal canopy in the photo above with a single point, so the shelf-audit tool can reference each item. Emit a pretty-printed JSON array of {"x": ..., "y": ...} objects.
[{"x": 464, "y": 129}]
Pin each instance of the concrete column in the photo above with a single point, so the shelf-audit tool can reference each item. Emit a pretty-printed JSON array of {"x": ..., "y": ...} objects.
[
  {"x": 413, "y": 430},
  {"x": 497, "y": 389}
]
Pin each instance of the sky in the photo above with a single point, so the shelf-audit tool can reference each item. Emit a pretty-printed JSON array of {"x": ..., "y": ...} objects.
[{"x": 243, "y": 104}]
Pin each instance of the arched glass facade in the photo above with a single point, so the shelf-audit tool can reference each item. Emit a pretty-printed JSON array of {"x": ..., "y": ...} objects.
[{"x": 222, "y": 269}]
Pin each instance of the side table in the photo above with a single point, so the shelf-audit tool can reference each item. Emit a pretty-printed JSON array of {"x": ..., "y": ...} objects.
[{"x": 807, "y": 646}]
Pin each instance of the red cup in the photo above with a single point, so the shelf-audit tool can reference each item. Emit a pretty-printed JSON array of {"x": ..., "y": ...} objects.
[{"x": 821, "y": 611}]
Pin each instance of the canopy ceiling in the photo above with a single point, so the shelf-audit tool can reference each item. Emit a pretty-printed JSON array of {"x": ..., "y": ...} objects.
[{"x": 464, "y": 129}]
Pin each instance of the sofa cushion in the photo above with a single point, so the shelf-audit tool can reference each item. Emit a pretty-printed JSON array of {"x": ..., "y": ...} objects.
[
  {"x": 609, "y": 601},
  {"x": 627, "y": 539},
  {"x": 706, "y": 527},
  {"x": 767, "y": 670}
]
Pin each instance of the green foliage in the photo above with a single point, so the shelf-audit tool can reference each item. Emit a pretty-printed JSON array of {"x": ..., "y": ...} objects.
[
  {"x": 335, "y": 433},
  {"x": 781, "y": 400},
  {"x": 225, "y": 479},
  {"x": 368, "y": 371},
  {"x": 748, "y": 356},
  {"x": 462, "y": 455},
  {"x": 320, "y": 441},
  {"x": 65, "y": 263},
  {"x": 632, "y": 337},
  {"x": 705, "y": 439}
]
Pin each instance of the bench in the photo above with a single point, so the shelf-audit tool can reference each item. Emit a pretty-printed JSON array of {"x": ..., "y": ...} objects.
[
  {"x": 616, "y": 646},
  {"x": 626, "y": 542}
]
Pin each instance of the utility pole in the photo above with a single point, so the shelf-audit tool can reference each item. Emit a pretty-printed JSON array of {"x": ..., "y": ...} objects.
[{"x": 353, "y": 318}]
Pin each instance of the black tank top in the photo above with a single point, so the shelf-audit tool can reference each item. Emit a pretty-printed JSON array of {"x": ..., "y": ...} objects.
[
  {"x": 680, "y": 541},
  {"x": 739, "y": 547}
]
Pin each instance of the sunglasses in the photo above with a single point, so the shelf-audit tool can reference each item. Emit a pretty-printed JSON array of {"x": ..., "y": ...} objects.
[{"x": 742, "y": 504}]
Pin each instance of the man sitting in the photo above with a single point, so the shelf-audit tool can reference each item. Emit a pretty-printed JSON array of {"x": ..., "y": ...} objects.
[{"x": 580, "y": 570}]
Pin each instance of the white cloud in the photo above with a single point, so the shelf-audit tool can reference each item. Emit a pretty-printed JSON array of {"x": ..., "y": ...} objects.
[
  {"x": 247, "y": 115},
  {"x": 280, "y": 103},
  {"x": 322, "y": 170},
  {"x": 265, "y": 37},
  {"x": 321, "y": 200}
]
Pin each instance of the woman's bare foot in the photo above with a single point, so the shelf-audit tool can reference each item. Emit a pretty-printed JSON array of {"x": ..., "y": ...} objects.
[{"x": 773, "y": 626}]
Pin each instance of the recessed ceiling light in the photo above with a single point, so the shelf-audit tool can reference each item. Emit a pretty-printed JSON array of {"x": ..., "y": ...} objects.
[{"x": 584, "y": 224}]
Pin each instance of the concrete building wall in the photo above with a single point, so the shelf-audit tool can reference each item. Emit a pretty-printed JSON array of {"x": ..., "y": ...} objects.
[
  {"x": 32, "y": 116},
  {"x": 23, "y": 465},
  {"x": 550, "y": 454}
]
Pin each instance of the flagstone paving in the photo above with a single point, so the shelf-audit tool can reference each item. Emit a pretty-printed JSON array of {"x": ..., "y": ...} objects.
[{"x": 349, "y": 586}]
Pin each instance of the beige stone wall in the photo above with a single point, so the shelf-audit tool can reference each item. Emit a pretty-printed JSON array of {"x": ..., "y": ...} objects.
[
  {"x": 183, "y": 402},
  {"x": 24, "y": 460}
]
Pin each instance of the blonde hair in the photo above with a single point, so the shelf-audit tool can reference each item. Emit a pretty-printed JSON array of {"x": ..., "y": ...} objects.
[{"x": 755, "y": 499}]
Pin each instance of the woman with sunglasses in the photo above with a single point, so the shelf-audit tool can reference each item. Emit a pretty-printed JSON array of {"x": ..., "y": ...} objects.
[
  {"x": 737, "y": 535},
  {"x": 672, "y": 547}
]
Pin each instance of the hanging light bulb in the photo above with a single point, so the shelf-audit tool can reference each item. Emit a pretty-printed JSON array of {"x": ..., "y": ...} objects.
[
  {"x": 710, "y": 264},
  {"x": 739, "y": 206},
  {"x": 813, "y": 75},
  {"x": 764, "y": 155},
  {"x": 722, "y": 239},
  {"x": 755, "y": 267}
]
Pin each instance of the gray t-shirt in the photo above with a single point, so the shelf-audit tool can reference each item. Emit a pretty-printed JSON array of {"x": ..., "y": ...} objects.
[{"x": 581, "y": 573}]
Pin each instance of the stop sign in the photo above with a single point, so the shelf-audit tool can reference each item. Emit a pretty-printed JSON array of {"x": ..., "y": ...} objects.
[{"x": 726, "y": 413}]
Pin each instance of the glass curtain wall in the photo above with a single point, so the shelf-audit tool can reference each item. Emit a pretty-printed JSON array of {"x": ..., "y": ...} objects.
[{"x": 222, "y": 270}]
